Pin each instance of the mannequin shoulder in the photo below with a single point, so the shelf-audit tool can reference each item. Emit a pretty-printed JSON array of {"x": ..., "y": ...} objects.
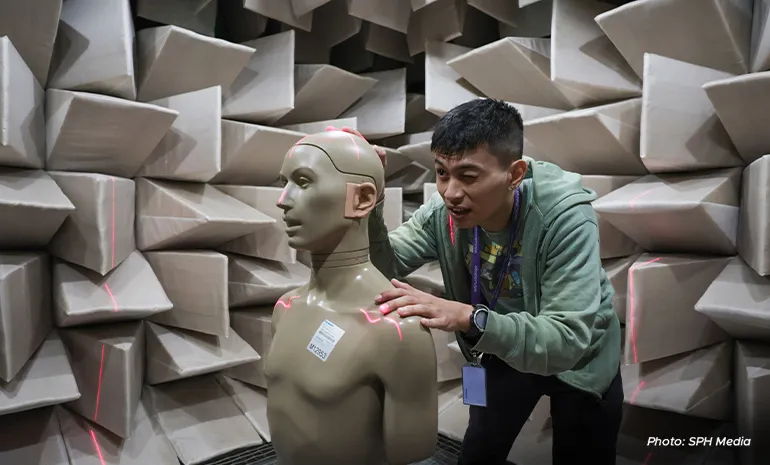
[
  {"x": 406, "y": 350},
  {"x": 285, "y": 303},
  {"x": 287, "y": 300},
  {"x": 411, "y": 333}
]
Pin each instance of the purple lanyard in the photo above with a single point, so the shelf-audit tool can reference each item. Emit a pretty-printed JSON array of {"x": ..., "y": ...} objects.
[{"x": 476, "y": 297}]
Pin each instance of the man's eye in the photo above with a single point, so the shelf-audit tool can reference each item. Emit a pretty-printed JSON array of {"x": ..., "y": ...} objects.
[{"x": 440, "y": 172}]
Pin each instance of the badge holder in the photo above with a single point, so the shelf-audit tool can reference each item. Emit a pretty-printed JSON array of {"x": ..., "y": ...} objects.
[{"x": 475, "y": 383}]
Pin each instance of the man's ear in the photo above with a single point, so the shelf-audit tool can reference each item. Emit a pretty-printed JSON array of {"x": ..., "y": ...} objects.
[
  {"x": 517, "y": 172},
  {"x": 360, "y": 199}
]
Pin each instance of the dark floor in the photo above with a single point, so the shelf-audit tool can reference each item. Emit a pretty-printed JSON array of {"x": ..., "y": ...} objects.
[{"x": 446, "y": 454}]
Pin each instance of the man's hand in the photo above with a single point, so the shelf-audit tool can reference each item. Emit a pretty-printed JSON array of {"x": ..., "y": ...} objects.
[
  {"x": 436, "y": 312},
  {"x": 380, "y": 151}
]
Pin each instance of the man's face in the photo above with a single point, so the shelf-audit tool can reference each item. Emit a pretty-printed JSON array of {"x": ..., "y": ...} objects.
[
  {"x": 476, "y": 186},
  {"x": 313, "y": 200}
]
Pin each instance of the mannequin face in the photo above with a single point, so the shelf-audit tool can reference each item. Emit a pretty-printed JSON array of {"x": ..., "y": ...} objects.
[{"x": 313, "y": 200}]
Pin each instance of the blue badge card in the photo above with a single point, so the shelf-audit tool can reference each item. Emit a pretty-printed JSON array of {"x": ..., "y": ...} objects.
[{"x": 474, "y": 385}]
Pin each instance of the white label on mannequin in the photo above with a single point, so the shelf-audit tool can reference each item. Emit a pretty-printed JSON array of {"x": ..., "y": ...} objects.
[{"x": 325, "y": 338}]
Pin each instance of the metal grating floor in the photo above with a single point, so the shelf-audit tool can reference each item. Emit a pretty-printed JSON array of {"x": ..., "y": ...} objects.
[{"x": 446, "y": 454}]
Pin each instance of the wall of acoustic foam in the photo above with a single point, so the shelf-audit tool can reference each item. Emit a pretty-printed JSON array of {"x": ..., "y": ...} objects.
[{"x": 141, "y": 251}]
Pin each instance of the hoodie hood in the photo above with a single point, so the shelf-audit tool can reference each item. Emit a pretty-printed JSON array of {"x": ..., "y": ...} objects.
[{"x": 554, "y": 190}]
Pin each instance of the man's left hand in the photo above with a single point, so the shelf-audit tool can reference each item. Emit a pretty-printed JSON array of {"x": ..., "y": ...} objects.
[{"x": 436, "y": 312}]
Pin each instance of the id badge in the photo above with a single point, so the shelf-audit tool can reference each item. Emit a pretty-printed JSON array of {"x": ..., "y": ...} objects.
[{"x": 474, "y": 385}]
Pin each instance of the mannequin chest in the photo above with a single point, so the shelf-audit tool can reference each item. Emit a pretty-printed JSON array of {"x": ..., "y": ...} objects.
[{"x": 322, "y": 353}]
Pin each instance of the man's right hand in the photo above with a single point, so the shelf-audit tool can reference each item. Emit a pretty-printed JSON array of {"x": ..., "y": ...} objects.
[{"x": 380, "y": 151}]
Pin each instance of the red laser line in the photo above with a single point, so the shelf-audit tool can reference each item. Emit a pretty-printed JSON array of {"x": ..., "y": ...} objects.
[
  {"x": 632, "y": 203},
  {"x": 352, "y": 139},
  {"x": 96, "y": 444},
  {"x": 398, "y": 328},
  {"x": 114, "y": 302},
  {"x": 636, "y": 393},
  {"x": 286, "y": 305},
  {"x": 375, "y": 320},
  {"x": 451, "y": 229},
  {"x": 99, "y": 387},
  {"x": 296, "y": 145}
]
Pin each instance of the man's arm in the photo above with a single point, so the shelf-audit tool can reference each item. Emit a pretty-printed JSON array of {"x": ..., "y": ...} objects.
[
  {"x": 557, "y": 338},
  {"x": 408, "y": 247},
  {"x": 410, "y": 411}
]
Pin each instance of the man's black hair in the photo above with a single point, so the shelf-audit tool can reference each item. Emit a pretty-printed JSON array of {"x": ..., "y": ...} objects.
[{"x": 480, "y": 123}]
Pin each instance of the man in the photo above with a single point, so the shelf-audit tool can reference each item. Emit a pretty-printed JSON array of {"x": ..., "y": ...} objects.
[{"x": 518, "y": 245}]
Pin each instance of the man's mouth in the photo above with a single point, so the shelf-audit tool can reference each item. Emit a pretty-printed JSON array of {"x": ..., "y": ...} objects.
[{"x": 458, "y": 212}]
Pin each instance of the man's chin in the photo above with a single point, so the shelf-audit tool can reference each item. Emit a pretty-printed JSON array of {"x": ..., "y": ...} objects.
[{"x": 465, "y": 222}]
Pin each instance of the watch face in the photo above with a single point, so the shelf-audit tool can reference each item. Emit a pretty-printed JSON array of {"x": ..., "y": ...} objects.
[{"x": 481, "y": 319}]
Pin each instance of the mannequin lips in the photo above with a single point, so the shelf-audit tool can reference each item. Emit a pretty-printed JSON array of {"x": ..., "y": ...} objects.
[{"x": 291, "y": 225}]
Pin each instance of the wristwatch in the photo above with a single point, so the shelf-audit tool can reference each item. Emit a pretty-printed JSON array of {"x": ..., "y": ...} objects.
[{"x": 478, "y": 321}]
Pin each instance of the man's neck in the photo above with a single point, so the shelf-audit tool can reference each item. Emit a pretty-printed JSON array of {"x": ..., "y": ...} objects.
[{"x": 502, "y": 218}]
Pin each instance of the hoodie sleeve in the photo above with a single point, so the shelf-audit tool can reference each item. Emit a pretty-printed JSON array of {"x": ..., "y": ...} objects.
[
  {"x": 556, "y": 339},
  {"x": 406, "y": 248}
]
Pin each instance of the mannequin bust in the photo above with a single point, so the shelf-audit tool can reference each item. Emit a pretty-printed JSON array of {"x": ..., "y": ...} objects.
[{"x": 346, "y": 386}]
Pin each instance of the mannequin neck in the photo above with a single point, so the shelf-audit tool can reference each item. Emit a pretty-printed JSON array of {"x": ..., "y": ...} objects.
[
  {"x": 331, "y": 262},
  {"x": 345, "y": 271},
  {"x": 345, "y": 249}
]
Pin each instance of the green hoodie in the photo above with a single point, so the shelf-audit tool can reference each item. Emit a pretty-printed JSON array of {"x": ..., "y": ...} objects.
[{"x": 567, "y": 327}]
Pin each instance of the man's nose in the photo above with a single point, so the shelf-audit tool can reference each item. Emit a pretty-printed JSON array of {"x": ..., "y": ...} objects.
[{"x": 453, "y": 192}]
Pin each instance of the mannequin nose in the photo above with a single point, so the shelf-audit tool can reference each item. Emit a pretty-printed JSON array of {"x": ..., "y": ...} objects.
[{"x": 283, "y": 201}]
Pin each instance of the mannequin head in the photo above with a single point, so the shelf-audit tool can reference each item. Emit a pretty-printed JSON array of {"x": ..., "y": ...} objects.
[{"x": 332, "y": 180}]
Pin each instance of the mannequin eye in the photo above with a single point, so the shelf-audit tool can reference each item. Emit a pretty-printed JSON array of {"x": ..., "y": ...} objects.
[{"x": 303, "y": 182}]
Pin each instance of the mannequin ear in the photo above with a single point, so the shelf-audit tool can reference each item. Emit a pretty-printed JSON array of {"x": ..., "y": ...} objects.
[{"x": 360, "y": 199}]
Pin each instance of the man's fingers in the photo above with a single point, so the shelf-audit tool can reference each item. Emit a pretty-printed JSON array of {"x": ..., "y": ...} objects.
[
  {"x": 400, "y": 285},
  {"x": 413, "y": 310},
  {"x": 390, "y": 294},
  {"x": 433, "y": 323},
  {"x": 396, "y": 304},
  {"x": 418, "y": 310},
  {"x": 382, "y": 154}
]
